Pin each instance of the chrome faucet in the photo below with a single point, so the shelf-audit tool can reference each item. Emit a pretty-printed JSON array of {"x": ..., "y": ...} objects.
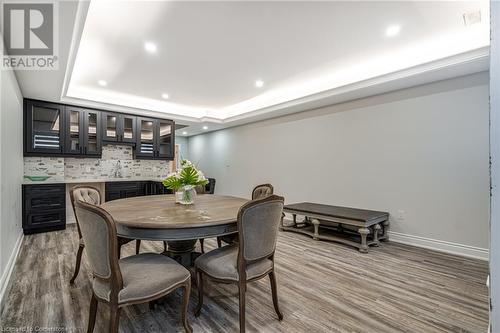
[{"x": 118, "y": 169}]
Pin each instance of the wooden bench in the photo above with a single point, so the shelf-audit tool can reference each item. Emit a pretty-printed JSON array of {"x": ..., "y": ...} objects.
[{"x": 360, "y": 228}]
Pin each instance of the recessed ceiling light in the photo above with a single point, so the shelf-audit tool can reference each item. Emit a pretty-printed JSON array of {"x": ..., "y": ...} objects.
[
  {"x": 102, "y": 83},
  {"x": 205, "y": 127},
  {"x": 259, "y": 83},
  {"x": 150, "y": 47},
  {"x": 392, "y": 30},
  {"x": 164, "y": 96},
  {"x": 184, "y": 133}
]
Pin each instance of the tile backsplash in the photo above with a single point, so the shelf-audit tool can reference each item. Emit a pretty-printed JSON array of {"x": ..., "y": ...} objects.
[{"x": 116, "y": 162}]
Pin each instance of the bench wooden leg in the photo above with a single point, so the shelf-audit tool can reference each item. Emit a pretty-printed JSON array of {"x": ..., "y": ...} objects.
[
  {"x": 364, "y": 232},
  {"x": 385, "y": 229},
  {"x": 315, "y": 223},
  {"x": 376, "y": 230}
]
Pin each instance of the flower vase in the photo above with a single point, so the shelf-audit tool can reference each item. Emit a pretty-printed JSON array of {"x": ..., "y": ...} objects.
[{"x": 186, "y": 195}]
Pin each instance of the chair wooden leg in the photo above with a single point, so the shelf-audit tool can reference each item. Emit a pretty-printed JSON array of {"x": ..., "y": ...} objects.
[
  {"x": 137, "y": 246},
  {"x": 164, "y": 246},
  {"x": 78, "y": 262},
  {"x": 92, "y": 313},
  {"x": 202, "y": 241},
  {"x": 219, "y": 241},
  {"x": 114, "y": 318},
  {"x": 185, "y": 303},
  {"x": 242, "y": 289},
  {"x": 274, "y": 289},
  {"x": 199, "y": 282}
]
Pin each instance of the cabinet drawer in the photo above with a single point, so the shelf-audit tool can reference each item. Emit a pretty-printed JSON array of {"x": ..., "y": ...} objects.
[
  {"x": 44, "y": 221},
  {"x": 51, "y": 202},
  {"x": 45, "y": 190},
  {"x": 46, "y": 218}
]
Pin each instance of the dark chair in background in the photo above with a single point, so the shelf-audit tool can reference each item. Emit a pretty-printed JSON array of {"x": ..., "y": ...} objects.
[{"x": 251, "y": 257}]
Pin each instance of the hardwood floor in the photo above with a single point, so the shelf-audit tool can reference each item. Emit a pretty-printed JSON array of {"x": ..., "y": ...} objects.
[{"x": 322, "y": 286}]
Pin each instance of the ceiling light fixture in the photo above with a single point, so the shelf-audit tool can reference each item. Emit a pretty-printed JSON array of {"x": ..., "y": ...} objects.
[
  {"x": 392, "y": 30},
  {"x": 164, "y": 96},
  {"x": 259, "y": 83},
  {"x": 150, "y": 47},
  {"x": 205, "y": 127},
  {"x": 102, "y": 83},
  {"x": 184, "y": 133}
]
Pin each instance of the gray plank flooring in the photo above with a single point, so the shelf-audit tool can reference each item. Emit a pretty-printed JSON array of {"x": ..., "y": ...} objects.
[{"x": 322, "y": 286}]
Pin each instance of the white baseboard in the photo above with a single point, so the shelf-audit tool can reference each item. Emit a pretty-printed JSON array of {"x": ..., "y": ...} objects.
[
  {"x": 439, "y": 245},
  {"x": 5, "y": 280}
]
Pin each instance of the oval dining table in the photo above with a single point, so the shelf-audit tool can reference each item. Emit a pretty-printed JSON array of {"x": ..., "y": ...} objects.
[{"x": 159, "y": 218}]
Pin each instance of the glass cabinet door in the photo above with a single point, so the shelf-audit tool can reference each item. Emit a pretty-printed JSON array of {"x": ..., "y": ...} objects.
[
  {"x": 110, "y": 126},
  {"x": 44, "y": 126},
  {"x": 73, "y": 129},
  {"x": 146, "y": 140},
  {"x": 128, "y": 129},
  {"x": 92, "y": 133},
  {"x": 165, "y": 139}
]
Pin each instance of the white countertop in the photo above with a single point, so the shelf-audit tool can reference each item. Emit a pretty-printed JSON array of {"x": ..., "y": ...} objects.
[{"x": 80, "y": 181}]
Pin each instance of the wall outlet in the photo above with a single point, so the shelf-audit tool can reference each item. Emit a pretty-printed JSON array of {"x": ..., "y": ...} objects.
[{"x": 401, "y": 214}]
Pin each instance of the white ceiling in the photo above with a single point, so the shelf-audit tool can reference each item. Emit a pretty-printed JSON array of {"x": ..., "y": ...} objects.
[{"x": 209, "y": 54}]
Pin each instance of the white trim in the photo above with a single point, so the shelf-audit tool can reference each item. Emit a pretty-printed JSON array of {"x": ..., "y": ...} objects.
[
  {"x": 439, "y": 245},
  {"x": 9, "y": 268}
]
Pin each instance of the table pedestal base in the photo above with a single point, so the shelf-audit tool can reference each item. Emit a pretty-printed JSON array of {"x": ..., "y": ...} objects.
[{"x": 183, "y": 252}]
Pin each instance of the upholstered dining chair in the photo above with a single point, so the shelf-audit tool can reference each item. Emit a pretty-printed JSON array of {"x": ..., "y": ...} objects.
[
  {"x": 249, "y": 259},
  {"x": 135, "y": 279},
  {"x": 92, "y": 196},
  {"x": 205, "y": 189},
  {"x": 258, "y": 192}
]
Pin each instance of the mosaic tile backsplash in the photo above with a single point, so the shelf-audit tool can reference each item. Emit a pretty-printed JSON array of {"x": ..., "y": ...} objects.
[{"x": 116, "y": 162}]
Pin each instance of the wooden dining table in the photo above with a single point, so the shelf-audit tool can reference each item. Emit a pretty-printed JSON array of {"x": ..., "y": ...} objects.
[{"x": 159, "y": 218}]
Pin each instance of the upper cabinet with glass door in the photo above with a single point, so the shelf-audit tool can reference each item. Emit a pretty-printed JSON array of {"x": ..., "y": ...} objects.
[
  {"x": 43, "y": 128},
  {"x": 155, "y": 139},
  {"x": 52, "y": 129},
  {"x": 165, "y": 142},
  {"x": 82, "y": 132},
  {"x": 119, "y": 127}
]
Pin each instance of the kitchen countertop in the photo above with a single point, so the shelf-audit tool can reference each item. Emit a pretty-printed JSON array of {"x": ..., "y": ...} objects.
[{"x": 81, "y": 181}]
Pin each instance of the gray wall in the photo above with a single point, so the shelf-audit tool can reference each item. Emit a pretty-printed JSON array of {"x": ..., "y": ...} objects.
[
  {"x": 422, "y": 150},
  {"x": 11, "y": 170}
]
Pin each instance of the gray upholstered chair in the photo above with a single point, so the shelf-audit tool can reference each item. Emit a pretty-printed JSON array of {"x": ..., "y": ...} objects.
[
  {"x": 136, "y": 279},
  {"x": 249, "y": 259},
  {"x": 258, "y": 192},
  {"x": 90, "y": 195}
]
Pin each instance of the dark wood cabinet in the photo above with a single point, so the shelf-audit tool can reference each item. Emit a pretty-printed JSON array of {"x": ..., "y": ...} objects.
[
  {"x": 43, "y": 128},
  {"x": 124, "y": 189},
  {"x": 155, "y": 138},
  {"x": 120, "y": 128},
  {"x": 52, "y": 129},
  {"x": 82, "y": 130},
  {"x": 44, "y": 207}
]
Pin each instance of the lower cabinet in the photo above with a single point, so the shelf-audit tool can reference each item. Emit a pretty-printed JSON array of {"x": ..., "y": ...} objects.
[
  {"x": 121, "y": 190},
  {"x": 126, "y": 189},
  {"x": 44, "y": 208}
]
